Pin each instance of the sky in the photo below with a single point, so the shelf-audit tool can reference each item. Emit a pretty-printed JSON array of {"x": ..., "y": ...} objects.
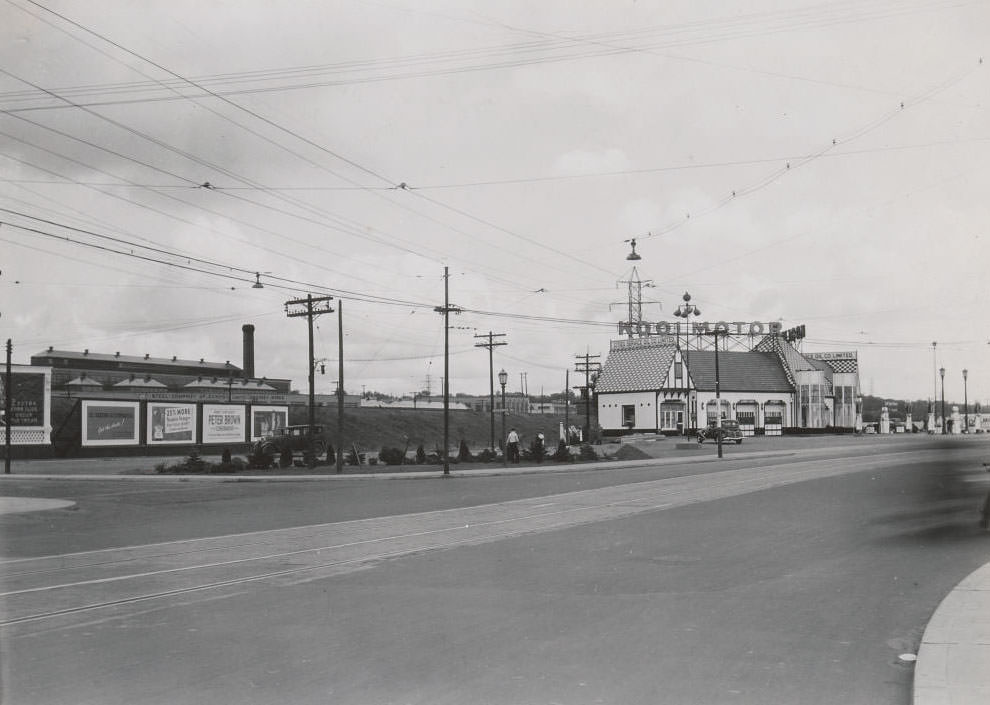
[{"x": 809, "y": 163}]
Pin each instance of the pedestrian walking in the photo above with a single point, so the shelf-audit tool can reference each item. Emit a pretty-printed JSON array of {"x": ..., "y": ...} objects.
[
  {"x": 538, "y": 447},
  {"x": 512, "y": 446}
]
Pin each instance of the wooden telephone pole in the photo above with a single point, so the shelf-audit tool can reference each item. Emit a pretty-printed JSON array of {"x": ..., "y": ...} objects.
[
  {"x": 588, "y": 364},
  {"x": 446, "y": 310},
  {"x": 491, "y": 344},
  {"x": 314, "y": 306}
]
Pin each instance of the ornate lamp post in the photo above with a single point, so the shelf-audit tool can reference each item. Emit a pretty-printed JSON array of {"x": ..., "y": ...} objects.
[
  {"x": 965, "y": 403},
  {"x": 686, "y": 310},
  {"x": 941, "y": 372},
  {"x": 503, "y": 377}
]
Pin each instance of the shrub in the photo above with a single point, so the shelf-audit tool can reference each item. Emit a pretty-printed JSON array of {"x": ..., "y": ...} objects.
[
  {"x": 487, "y": 455},
  {"x": 587, "y": 452},
  {"x": 464, "y": 453},
  {"x": 392, "y": 456},
  {"x": 420, "y": 455},
  {"x": 194, "y": 463},
  {"x": 563, "y": 454}
]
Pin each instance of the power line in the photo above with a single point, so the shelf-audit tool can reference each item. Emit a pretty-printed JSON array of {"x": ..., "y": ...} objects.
[{"x": 515, "y": 55}]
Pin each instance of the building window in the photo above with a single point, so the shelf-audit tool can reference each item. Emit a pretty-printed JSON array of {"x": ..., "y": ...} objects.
[{"x": 628, "y": 415}]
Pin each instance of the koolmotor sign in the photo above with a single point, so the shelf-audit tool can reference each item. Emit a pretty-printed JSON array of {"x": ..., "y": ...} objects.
[{"x": 644, "y": 329}]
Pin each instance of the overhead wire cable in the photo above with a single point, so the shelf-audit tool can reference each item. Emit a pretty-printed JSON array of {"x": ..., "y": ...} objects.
[
  {"x": 600, "y": 38},
  {"x": 287, "y": 131}
]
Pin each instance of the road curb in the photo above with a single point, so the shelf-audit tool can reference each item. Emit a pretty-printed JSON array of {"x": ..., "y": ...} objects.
[{"x": 413, "y": 475}]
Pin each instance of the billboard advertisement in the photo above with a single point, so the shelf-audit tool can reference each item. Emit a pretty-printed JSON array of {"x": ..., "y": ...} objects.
[
  {"x": 223, "y": 423},
  {"x": 171, "y": 423},
  {"x": 27, "y": 398},
  {"x": 265, "y": 419},
  {"x": 110, "y": 423}
]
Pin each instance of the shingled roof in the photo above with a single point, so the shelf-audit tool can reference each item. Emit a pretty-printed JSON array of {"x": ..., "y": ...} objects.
[
  {"x": 738, "y": 371},
  {"x": 636, "y": 369}
]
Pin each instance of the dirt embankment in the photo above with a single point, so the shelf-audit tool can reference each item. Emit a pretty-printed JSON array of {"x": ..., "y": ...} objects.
[{"x": 372, "y": 429}]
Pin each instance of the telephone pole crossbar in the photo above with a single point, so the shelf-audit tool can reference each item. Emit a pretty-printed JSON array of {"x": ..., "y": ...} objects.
[{"x": 314, "y": 306}]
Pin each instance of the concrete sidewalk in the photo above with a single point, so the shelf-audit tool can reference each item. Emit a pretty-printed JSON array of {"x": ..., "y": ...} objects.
[{"x": 953, "y": 666}]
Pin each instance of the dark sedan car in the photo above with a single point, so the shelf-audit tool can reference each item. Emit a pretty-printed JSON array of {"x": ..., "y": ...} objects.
[
  {"x": 729, "y": 432},
  {"x": 283, "y": 442}
]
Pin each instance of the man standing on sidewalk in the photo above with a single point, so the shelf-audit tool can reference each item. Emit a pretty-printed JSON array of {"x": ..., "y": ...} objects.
[{"x": 512, "y": 446}]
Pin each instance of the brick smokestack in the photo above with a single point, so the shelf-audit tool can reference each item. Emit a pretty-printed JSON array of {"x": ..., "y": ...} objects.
[{"x": 248, "y": 330}]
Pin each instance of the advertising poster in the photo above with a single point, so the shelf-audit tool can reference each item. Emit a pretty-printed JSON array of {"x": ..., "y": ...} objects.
[
  {"x": 110, "y": 423},
  {"x": 27, "y": 398},
  {"x": 224, "y": 423},
  {"x": 171, "y": 423},
  {"x": 265, "y": 419}
]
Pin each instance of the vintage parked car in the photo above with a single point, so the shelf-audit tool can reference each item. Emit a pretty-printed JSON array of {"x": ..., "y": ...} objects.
[
  {"x": 287, "y": 440},
  {"x": 729, "y": 432}
]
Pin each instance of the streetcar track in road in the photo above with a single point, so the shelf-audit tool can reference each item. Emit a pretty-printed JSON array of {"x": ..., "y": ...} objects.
[
  {"x": 462, "y": 527},
  {"x": 366, "y": 559},
  {"x": 288, "y": 554}
]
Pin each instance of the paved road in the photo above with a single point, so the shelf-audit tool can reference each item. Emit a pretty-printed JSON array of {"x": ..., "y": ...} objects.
[{"x": 783, "y": 579}]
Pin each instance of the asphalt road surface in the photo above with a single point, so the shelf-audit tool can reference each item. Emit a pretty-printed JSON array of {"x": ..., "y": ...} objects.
[{"x": 799, "y": 578}]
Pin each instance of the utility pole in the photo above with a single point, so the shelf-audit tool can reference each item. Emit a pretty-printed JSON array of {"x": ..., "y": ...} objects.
[
  {"x": 446, "y": 310},
  {"x": 491, "y": 344},
  {"x": 339, "y": 455},
  {"x": 589, "y": 365},
  {"x": 314, "y": 307},
  {"x": 8, "y": 418},
  {"x": 567, "y": 407}
]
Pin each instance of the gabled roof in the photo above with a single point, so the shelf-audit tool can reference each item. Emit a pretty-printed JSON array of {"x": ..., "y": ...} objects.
[
  {"x": 224, "y": 383},
  {"x": 84, "y": 381},
  {"x": 636, "y": 369},
  {"x": 145, "y": 382},
  {"x": 738, "y": 371}
]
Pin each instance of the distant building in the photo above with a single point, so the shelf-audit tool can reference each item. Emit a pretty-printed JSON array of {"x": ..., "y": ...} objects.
[{"x": 115, "y": 376}]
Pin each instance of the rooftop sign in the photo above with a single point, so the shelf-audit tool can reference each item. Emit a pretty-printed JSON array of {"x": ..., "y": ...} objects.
[
  {"x": 831, "y": 355},
  {"x": 645, "y": 329}
]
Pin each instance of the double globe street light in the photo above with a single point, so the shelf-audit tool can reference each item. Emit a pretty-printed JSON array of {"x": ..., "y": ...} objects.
[
  {"x": 965, "y": 404},
  {"x": 941, "y": 372},
  {"x": 503, "y": 377},
  {"x": 686, "y": 310}
]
